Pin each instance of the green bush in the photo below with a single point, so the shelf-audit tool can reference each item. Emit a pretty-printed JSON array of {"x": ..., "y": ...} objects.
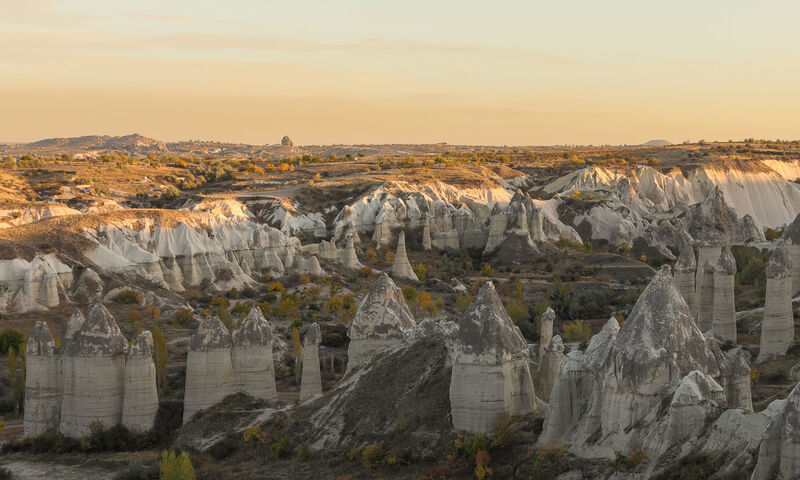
[
  {"x": 282, "y": 448},
  {"x": 127, "y": 297},
  {"x": 10, "y": 339},
  {"x": 475, "y": 443},
  {"x": 183, "y": 316}
]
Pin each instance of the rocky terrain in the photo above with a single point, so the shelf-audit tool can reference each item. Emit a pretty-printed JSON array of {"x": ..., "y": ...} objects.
[{"x": 395, "y": 311}]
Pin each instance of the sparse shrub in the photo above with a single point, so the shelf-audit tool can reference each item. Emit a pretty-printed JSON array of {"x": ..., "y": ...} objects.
[
  {"x": 629, "y": 462},
  {"x": 153, "y": 312},
  {"x": 175, "y": 467},
  {"x": 282, "y": 448},
  {"x": 463, "y": 302},
  {"x": 372, "y": 456},
  {"x": 475, "y": 443},
  {"x": 304, "y": 452},
  {"x": 365, "y": 272},
  {"x": 371, "y": 256},
  {"x": 577, "y": 331},
  {"x": 410, "y": 293},
  {"x": 487, "y": 270},
  {"x": 421, "y": 270},
  {"x": 10, "y": 339},
  {"x": 428, "y": 305},
  {"x": 233, "y": 293},
  {"x": 183, "y": 316},
  {"x": 482, "y": 469},
  {"x": 133, "y": 316},
  {"x": 276, "y": 287},
  {"x": 127, "y": 297},
  {"x": 241, "y": 310}
]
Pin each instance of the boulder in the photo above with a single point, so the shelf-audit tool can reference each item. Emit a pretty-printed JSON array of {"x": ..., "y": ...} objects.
[
  {"x": 94, "y": 375},
  {"x": 140, "y": 403},
  {"x": 42, "y": 383},
  {"x": 381, "y": 322},
  {"x": 491, "y": 370},
  {"x": 724, "y": 322},
  {"x": 777, "y": 329},
  {"x": 311, "y": 382},
  {"x": 209, "y": 371}
]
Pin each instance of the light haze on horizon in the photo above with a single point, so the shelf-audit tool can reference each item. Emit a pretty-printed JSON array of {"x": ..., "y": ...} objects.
[{"x": 353, "y": 71}]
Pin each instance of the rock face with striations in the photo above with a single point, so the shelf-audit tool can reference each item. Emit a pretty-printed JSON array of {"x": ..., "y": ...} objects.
[
  {"x": 251, "y": 357},
  {"x": 779, "y": 453},
  {"x": 140, "y": 404},
  {"x": 311, "y": 383},
  {"x": 685, "y": 275},
  {"x": 381, "y": 322},
  {"x": 548, "y": 367},
  {"x": 491, "y": 370},
  {"x": 42, "y": 383},
  {"x": 792, "y": 238},
  {"x": 705, "y": 297},
  {"x": 94, "y": 375},
  {"x": 401, "y": 268},
  {"x": 209, "y": 372},
  {"x": 724, "y": 322},
  {"x": 777, "y": 329}
]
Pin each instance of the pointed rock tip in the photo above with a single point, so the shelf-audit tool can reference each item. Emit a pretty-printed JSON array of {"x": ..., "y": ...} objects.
[
  {"x": 780, "y": 262},
  {"x": 686, "y": 262},
  {"x": 726, "y": 264},
  {"x": 254, "y": 330},
  {"x": 210, "y": 334},
  {"x": 142, "y": 344}
]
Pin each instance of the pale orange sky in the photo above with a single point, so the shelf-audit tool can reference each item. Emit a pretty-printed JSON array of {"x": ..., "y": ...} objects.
[{"x": 513, "y": 72}]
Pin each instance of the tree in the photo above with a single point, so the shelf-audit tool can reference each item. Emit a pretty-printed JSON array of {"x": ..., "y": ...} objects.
[
  {"x": 175, "y": 467},
  {"x": 160, "y": 358},
  {"x": 183, "y": 316},
  {"x": 153, "y": 312},
  {"x": 421, "y": 270},
  {"x": 298, "y": 352},
  {"x": 10, "y": 339}
]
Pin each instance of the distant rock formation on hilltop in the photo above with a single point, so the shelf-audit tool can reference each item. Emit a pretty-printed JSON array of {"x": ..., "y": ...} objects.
[
  {"x": 286, "y": 141},
  {"x": 657, "y": 143}
]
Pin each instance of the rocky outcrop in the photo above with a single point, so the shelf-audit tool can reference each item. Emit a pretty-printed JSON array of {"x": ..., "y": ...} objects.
[
  {"x": 724, "y": 322},
  {"x": 401, "y": 268},
  {"x": 491, "y": 371},
  {"x": 779, "y": 453},
  {"x": 88, "y": 289},
  {"x": 94, "y": 375},
  {"x": 33, "y": 285},
  {"x": 43, "y": 382},
  {"x": 286, "y": 141},
  {"x": 209, "y": 370},
  {"x": 380, "y": 322},
  {"x": 308, "y": 266},
  {"x": 777, "y": 329},
  {"x": 311, "y": 382},
  {"x": 140, "y": 403},
  {"x": 685, "y": 274},
  {"x": 251, "y": 357},
  {"x": 548, "y": 368},
  {"x": 652, "y": 384},
  {"x": 546, "y": 331},
  {"x": 348, "y": 257}
]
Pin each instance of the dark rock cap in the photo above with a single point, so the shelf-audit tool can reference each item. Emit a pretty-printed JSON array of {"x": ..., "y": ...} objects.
[
  {"x": 254, "y": 330},
  {"x": 99, "y": 336},
  {"x": 210, "y": 334},
  {"x": 40, "y": 341},
  {"x": 726, "y": 264},
  {"x": 486, "y": 328},
  {"x": 382, "y": 313},
  {"x": 686, "y": 262},
  {"x": 780, "y": 263},
  {"x": 142, "y": 344}
]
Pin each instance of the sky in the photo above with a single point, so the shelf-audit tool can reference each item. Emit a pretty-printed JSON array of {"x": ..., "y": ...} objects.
[{"x": 525, "y": 72}]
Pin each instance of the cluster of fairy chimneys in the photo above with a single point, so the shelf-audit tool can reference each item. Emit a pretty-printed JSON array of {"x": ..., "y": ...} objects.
[
  {"x": 347, "y": 257},
  {"x": 93, "y": 377},
  {"x": 707, "y": 285}
]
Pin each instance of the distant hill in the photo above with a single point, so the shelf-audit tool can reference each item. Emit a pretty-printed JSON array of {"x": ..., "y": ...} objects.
[{"x": 656, "y": 143}]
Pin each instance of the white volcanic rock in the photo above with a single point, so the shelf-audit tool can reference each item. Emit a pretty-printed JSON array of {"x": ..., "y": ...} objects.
[
  {"x": 94, "y": 375},
  {"x": 724, "y": 322},
  {"x": 74, "y": 323},
  {"x": 548, "y": 368},
  {"x": 546, "y": 330},
  {"x": 140, "y": 403},
  {"x": 737, "y": 382},
  {"x": 791, "y": 236},
  {"x": 308, "y": 266},
  {"x": 426, "y": 234},
  {"x": 209, "y": 371},
  {"x": 401, "y": 268},
  {"x": 348, "y": 257},
  {"x": 491, "y": 370},
  {"x": 497, "y": 228},
  {"x": 777, "y": 329},
  {"x": 658, "y": 345},
  {"x": 311, "y": 382},
  {"x": 252, "y": 358},
  {"x": 32, "y": 285},
  {"x": 685, "y": 273},
  {"x": 705, "y": 297},
  {"x": 42, "y": 383},
  {"x": 328, "y": 250},
  {"x": 779, "y": 454},
  {"x": 381, "y": 321}
]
